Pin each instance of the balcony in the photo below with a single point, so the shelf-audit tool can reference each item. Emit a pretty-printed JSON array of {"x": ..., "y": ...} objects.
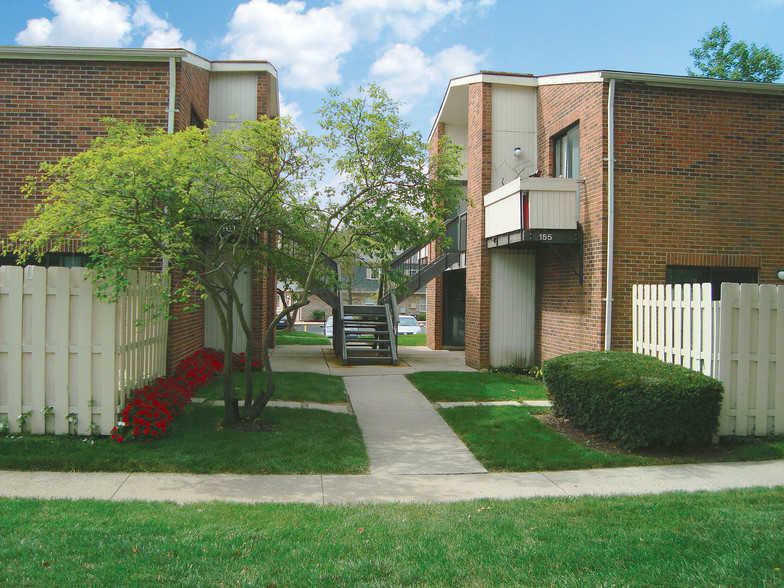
[{"x": 533, "y": 210}]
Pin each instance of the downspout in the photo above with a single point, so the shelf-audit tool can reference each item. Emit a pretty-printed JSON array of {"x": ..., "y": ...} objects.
[
  {"x": 608, "y": 301},
  {"x": 171, "y": 112},
  {"x": 172, "y": 93}
]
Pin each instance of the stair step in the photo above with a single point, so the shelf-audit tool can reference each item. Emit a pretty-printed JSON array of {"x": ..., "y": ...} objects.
[{"x": 369, "y": 309}]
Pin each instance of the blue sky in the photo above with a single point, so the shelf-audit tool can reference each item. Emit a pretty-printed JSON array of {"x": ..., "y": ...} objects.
[{"x": 411, "y": 47}]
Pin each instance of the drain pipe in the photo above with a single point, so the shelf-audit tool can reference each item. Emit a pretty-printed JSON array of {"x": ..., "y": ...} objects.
[
  {"x": 608, "y": 301},
  {"x": 170, "y": 128},
  {"x": 172, "y": 92}
]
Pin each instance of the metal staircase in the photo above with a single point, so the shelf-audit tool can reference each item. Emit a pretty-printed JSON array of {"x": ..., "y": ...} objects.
[
  {"x": 365, "y": 334},
  {"x": 419, "y": 271}
]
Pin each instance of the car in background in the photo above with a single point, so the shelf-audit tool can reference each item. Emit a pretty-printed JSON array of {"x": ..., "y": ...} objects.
[
  {"x": 326, "y": 328},
  {"x": 408, "y": 325}
]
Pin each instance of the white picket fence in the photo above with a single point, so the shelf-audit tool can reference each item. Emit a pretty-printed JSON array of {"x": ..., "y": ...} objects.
[
  {"x": 67, "y": 359},
  {"x": 738, "y": 340}
]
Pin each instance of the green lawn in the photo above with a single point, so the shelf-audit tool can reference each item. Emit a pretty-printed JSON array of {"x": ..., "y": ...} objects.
[
  {"x": 300, "y": 338},
  {"x": 509, "y": 439},
  {"x": 417, "y": 340},
  {"x": 305, "y": 441},
  {"x": 476, "y": 386},
  {"x": 723, "y": 539},
  {"x": 291, "y": 386}
]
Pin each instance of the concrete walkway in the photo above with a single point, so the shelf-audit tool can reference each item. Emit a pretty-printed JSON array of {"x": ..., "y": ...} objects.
[
  {"x": 386, "y": 488},
  {"x": 414, "y": 457}
]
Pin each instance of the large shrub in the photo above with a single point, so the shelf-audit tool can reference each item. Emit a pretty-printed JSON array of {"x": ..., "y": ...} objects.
[{"x": 634, "y": 400}]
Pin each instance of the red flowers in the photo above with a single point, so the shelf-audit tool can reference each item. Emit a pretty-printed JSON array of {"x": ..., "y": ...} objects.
[{"x": 149, "y": 410}]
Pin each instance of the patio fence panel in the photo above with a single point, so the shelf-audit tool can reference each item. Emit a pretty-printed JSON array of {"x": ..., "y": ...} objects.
[
  {"x": 738, "y": 340},
  {"x": 66, "y": 358}
]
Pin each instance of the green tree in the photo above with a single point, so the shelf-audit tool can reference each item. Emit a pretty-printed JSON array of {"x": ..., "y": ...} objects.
[
  {"x": 717, "y": 57},
  {"x": 215, "y": 205}
]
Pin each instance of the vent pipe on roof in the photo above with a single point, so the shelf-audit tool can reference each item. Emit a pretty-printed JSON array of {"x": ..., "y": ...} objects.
[{"x": 608, "y": 301}]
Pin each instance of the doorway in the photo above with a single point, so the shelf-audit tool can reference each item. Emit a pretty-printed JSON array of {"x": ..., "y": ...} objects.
[{"x": 453, "y": 335}]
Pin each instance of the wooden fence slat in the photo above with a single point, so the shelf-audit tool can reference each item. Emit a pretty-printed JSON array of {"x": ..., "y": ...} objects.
[
  {"x": 748, "y": 297},
  {"x": 677, "y": 339},
  {"x": 59, "y": 285},
  {"x": 84, "y": 349},
  {"x": 11, "y": 281},
  {"x": 35, "y": 281},
  {"x": 763, "y": 360},
  {"x": 706, "y": 355}
]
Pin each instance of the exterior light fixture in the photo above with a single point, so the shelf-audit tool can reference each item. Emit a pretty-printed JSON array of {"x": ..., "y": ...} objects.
[
  {"x": 517, "y": 152},
  {"x": 780, "y": 274}
]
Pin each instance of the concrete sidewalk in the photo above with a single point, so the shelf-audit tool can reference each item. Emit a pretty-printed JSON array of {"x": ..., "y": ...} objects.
[
  {"x": 414, "y": 457},
  {"x": 322, "y": 490}
]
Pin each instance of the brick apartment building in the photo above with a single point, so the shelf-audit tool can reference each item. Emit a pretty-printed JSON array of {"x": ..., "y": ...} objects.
[
  {"x": 52, "y": 100},
  {"x": 581, "y": 185}
]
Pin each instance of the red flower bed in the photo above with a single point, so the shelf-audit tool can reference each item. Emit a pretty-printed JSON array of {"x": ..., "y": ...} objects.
[{"x": 149, "y": 410}]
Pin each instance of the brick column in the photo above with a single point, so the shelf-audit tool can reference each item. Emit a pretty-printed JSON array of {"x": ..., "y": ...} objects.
[{"x": 479, "y": 167}]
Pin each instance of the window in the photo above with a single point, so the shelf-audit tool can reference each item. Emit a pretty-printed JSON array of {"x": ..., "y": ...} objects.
[
  {"x": 715, "y": 275},
  {"x": 373, "y": 273},
  {"x": 566, "y": 153}
]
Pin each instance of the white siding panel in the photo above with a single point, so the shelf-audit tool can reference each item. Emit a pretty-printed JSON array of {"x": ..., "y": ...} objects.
[
  {"x": 552, "y": 210},
  {"x": 514, "y": 125},
  {"x": 459, "y": 136},
  {"x": 212, "y": 330},
  {"x": 232, "y": 98},
  {"x": 512, "y": 299}
]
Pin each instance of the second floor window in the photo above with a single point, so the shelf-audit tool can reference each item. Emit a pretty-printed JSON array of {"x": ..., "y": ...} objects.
[{"x": 566, "y": 153}]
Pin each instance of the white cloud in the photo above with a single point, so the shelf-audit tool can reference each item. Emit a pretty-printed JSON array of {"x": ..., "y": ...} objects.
[
  {"x": 80, "y": 22},
  {"x": 308, "y": 44},
  {"x": 160, "y": 33},
  {"x": 293, "y": 110},
  {"x": 101, "y": 23},
  {"x": 408, "y": 74}
]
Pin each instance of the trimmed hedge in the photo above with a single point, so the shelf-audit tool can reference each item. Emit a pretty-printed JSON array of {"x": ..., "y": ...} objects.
[{"x": 634, "y": 400}]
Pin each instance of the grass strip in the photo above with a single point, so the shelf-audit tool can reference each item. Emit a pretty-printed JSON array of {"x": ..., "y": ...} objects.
[
  {"x": 290, "y": 386},
  {"x": 300, "y": 338},
  {"x": 509, "y": 439},
  {"x": 418, "y": 340},
  {"x": 723, "y": 539},
  {"x": 303, "y": 442},
  {"x": 476, "y": 386}
]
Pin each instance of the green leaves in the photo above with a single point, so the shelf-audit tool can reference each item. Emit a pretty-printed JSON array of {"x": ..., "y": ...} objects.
[{"x": 718, "y": 58}]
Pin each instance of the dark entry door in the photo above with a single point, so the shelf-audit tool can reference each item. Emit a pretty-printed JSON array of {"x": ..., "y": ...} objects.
[{"x": 454, "y": 308}]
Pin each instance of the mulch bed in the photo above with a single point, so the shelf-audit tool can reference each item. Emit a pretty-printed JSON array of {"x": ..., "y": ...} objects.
[{"x": 564, "y": 427}]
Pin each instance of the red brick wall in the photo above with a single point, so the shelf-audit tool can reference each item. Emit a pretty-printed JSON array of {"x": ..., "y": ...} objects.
[
  {"x": 699, "y": 181},
  {"x": 478, "y": 168},
  {"x": 193, "y": 93},
  {"x": 50, "y": 109},
  {"x": 570, "y": 316}
]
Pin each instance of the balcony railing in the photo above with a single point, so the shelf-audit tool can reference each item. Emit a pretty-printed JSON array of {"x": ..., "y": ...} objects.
[{"x": 533, "y": 209}]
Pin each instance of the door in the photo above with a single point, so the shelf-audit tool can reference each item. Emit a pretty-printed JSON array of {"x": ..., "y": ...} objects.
[{"x": 454, "y": 308}]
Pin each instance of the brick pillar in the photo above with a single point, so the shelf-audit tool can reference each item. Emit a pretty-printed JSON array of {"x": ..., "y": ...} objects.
[
  {"x": 435, "y": 289},
  {"x": 479, "y": 167}
]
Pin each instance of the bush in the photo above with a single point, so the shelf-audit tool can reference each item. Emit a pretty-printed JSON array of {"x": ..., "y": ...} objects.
[
  {"x": 421, "y": 317},
  {"x": 317, "y": 315},
  {"x": 634, "y": 400}
]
